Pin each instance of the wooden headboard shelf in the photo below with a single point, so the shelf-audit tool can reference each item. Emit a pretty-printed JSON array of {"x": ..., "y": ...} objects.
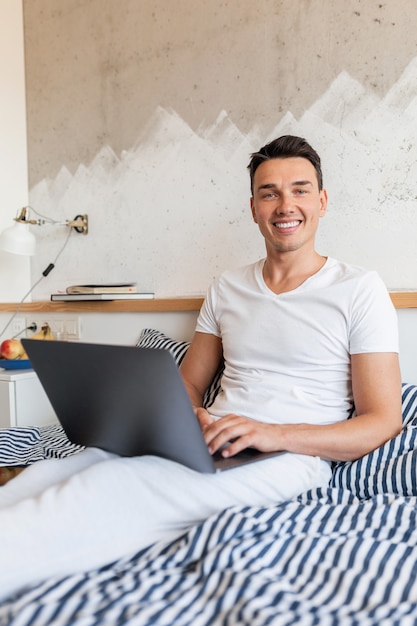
[
  {"x": 111, "y": 306},
  {"x": 404, "y": 299},
  {"x": 401, "y": 300}
]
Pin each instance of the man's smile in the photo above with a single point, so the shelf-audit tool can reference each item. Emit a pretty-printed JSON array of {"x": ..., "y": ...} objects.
[{"x": 287, "y": 225}]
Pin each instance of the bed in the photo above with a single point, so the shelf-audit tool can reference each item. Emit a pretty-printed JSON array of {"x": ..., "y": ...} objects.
[{"x": 344, "y": 555}]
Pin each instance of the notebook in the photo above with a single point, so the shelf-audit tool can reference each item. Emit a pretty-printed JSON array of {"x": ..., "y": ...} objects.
[{"x": 127, "y": 400}]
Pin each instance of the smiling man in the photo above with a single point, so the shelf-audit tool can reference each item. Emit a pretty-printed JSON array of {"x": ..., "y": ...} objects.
[{"x": 305, "y": 338}]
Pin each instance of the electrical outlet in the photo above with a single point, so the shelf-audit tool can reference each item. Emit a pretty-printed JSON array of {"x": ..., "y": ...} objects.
[
  {"x": 17, "y": 326},
  {"x": 64, "y": 328}
]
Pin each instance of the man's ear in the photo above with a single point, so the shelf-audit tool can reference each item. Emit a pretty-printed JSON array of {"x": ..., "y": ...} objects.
[
  {"x": 252, "y": 208},
  {"x": 323, "y": 202}
]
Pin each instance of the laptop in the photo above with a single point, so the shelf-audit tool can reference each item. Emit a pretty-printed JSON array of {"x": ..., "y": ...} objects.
[{"x": 127, "y": 400}]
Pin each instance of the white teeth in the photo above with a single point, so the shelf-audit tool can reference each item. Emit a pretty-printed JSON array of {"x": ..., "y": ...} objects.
[{"x": 287, "y": 224}]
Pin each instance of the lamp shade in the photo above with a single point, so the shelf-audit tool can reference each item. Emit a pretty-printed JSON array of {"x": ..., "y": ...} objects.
[{"x": 18, "y": 239}]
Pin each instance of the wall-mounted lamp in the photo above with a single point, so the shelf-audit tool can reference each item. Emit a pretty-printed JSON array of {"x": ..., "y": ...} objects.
[{"x": 18, "y": 239}]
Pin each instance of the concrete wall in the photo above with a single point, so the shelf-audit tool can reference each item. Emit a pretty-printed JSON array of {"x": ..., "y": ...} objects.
[
  {"x": 14, "y": 270},
  {"x": 143, "y": 115}
]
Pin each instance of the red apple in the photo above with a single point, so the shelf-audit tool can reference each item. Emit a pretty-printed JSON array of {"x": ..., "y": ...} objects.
[{"x": 11, "y": 349}]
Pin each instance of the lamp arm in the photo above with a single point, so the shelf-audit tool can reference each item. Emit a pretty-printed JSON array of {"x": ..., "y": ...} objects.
[{"x": 79, "y": 223}]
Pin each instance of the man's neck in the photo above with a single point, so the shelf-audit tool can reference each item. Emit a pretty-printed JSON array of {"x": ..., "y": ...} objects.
[{"x": 287, "y": 272}]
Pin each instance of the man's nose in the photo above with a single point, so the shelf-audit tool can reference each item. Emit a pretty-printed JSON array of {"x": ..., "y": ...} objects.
[{"x": 285, "y": 203}]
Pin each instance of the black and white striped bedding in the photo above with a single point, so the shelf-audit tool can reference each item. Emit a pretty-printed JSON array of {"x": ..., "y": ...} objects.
[
  {"x": 329, "y": 558},
  {"x": 325, "y": 558},
  {"x": 26, "y": 445},
  {"x": 345, "y": 556}
]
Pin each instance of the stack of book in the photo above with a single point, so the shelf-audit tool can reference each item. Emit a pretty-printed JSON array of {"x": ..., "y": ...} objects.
[{"x": 106, "y": 291}]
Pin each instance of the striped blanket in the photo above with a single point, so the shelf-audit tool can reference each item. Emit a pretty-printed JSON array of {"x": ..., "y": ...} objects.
[
  {"x": 325, "y": 558},
  {"x": 344, "y": 556}
]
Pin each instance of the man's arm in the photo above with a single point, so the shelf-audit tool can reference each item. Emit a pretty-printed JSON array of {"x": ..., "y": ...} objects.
[
  {"x": 376, "y": 385},
  {"x": 198, "y": 368}
]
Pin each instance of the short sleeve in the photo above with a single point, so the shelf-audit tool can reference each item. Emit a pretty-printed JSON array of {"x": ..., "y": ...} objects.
[
  {"x": 374, "y": 322},
  {"x": 207, "y": 321}
]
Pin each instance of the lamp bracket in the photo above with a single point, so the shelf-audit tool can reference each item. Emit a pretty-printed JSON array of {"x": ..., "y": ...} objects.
[{"x": 79, "y": 224}]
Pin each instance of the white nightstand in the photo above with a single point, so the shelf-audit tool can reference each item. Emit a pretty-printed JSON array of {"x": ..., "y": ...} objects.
[{"x": 23, "y": 401}]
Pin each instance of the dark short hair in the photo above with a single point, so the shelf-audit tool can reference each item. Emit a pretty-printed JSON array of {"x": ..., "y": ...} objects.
[{"x": 286, "y": 147}]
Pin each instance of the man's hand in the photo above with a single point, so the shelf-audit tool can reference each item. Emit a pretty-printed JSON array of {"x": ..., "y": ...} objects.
[
  {"x": 240, "y": 432},
  {"x": 203, "y": 417}
]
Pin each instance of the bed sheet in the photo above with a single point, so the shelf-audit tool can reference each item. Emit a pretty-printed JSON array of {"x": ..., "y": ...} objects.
[
  {"x": 325, "y": 558},
  {"x": 329, "y": 557}
]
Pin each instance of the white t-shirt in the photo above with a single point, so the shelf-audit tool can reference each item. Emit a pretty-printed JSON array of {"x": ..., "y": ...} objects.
[{"x": 287, "y": 356}]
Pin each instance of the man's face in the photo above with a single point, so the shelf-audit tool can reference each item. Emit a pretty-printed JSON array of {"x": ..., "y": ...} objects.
[{"x": 287, "y": 203}]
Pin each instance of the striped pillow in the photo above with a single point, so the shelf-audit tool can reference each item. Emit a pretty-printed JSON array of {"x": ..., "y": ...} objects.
[
  {"x": 150, "y": 338},
  {"x": 392, "y": 468},
  {"x": 20, "y": 446}
]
